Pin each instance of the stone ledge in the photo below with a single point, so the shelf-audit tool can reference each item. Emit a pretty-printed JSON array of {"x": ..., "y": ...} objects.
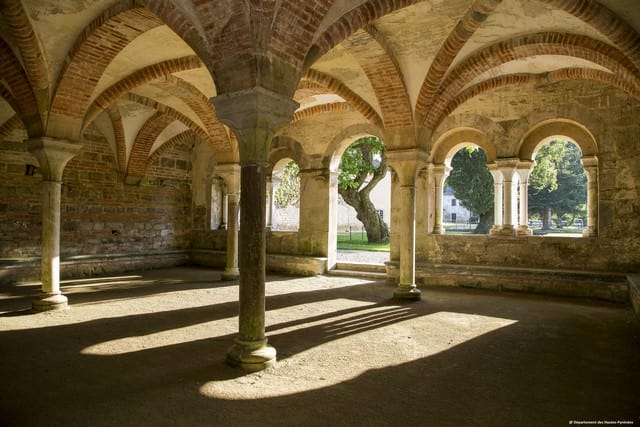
[
  {"x": 571, "y": 283},
  {"x": 28, "y": 269},
  {"x": 289, "y": 264},
  {"x": 634, "y": 292}
]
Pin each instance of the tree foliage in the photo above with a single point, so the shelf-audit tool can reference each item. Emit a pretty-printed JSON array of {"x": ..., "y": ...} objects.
[
  {"x": 472, "y": 185},
  {"x": 363, "y": 165},
  {"x": 558, "y": 184},
  {"x": 288, "y": 190}
]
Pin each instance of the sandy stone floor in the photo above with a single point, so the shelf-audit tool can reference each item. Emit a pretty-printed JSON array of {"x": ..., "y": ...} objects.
[{"x": 147, "y": 349}]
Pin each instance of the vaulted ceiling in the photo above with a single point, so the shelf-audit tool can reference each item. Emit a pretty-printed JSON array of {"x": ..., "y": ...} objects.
[{"x": 143, "y": 72}]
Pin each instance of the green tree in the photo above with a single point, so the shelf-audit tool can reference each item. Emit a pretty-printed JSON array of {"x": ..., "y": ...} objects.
[
  {"x": 472, "y": 185},
  {"x": 362, "y": 167},
  {"x": 288, "y": 190},
  {"x": 557, "y": 184}
]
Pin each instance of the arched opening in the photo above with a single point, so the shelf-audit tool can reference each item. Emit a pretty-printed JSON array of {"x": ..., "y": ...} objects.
[
  {"x": 557, "y": 190},
  {"x": 468, "y": 191},
  {"x": 363, "y": 193},
  {"x": 284, "y": 214}
]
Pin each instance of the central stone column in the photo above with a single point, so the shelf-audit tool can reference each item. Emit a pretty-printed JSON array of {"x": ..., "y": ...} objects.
[
  {"x": 53, "y": 155},
  {"x": 406, "y": 164},
  {"x": 497, "y": 199},
  {"x": 254, "y": 115},
  {"x": 231, "y": 175},
  {"x": 524, "y": 170},
  {"x": 507, "y": 168}
]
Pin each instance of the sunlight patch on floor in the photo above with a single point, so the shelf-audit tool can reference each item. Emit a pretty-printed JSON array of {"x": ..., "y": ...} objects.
[{"x": 384, "y": 335}]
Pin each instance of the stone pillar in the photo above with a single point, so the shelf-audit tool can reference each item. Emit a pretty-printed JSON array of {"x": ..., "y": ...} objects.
[
  {"x": 497, "y": 199},
  {"x": 230, "y": 173},
  {"x": 53, "y": 155},
  {"x": 254, "y": 115},
  {"x": 524, "y": 170},
  {"x": 225, "y": 209},
  {"x": 317, "y": 235},
  {"x": 269, "y": 202},
  {"x": 440, "y": 174},
  {"x": 394, "y": 225},
  {"x": 508, "y": 170},
  {"x": 422, "y": 210},
  {"x": 406, "y": 164},
  {"x": 590, "y": 165}
]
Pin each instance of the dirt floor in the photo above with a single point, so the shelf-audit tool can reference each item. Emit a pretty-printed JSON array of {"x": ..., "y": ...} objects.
[{"x": 147, "y": 349}]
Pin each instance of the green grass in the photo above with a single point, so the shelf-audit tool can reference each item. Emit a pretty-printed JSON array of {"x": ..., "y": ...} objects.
[{"x": 358, "y": 241}]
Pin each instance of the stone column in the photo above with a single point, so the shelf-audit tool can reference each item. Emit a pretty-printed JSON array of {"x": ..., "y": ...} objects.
[
  {"x": 269, "y": 201},
  {"x": 318, "y": 201},
  {"x": 590, "y": 165},
  {"x": 230, "y": 173},
  {"x": 254, "y": 115},
  {"x": 497, "y": 199},
  {"x": 440, "y": 174},
  {"x": 225, "y": 208},
  {"x": 422, "y": 210},
  {"x": 508, "y": 170},
  {"x": 406, "y": 164},
  {"x": 524, "y": 170},
  {"x": 53, "y": 155}
]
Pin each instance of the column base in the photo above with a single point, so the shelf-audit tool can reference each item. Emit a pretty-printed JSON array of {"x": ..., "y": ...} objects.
[
  {"x": 252, "y": 356},
  {"x": 231, "y": 274},
  {"x": 407, "y": 292},
  {"x": 495, "y": 230},
  {"x": 589, "y": 232},
  {"x": 506, "y": 230},
  {"x": 48, "y": 302},
  {"x": 524, "y": 230},
  {"x": 438, "y": 230}
]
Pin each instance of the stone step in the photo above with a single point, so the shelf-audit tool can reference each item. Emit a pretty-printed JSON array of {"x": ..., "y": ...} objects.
[
  {"x": 361, "y": 266},
  {"x": 360, "y": 274}
]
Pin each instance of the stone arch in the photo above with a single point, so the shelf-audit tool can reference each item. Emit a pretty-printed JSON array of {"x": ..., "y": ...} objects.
[
  {"x": 543, "y": 131},
  {"x": 343, "y": 139},
  {"x": 452, "y": 140}
]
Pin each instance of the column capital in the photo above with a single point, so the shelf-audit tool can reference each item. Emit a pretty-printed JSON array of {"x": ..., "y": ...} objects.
[
  {"x": 230, "y": 173},
  {"x": 406, "y": 163},
  {"x": 254, "y": 115},
  {"x": 53, "y": 155}
]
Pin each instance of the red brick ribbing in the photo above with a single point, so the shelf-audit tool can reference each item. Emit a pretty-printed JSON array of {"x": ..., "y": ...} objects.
[
  {"x": 465, "y": 28},
  {"x": 378, "y": 62},
  {"x": 144, "y": 141},
  {"x": 333, "y": 107},
  {"x": 9, "y": 126},
  {"x": 94, "y": 50},
  {"x": 118, "y": 132},
  {"x": 183, "y": 138},
  {"x": 521, "y": 47},
  {"x": 338, "y": 88}
]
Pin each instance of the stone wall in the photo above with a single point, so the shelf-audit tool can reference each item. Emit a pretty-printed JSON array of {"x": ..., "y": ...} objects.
[{"x": 99, "y": 213}]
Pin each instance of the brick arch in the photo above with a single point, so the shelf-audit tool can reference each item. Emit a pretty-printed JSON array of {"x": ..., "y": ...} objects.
[
  {"x": 463, "y": 31},
  {"x": 27, "y": 42},
  {"x": 320, "y": 109},
  {"x": 542, "y": 131},
  {"x": 605, "y": 21},
  {"x": 450, "y": 142},
  {"x": 347, "y": 94},
  {"x": 204, "y": 109},
  {"x": 350, "y": 22},
  {"x": 183, "y": 138},
  {"x": 525, "y": 46},
  {"x": 307, "y": 15},
  {"x": 92, "y": 53},
  {"x": 173, "y": 15},
  {"x": 138, "y": 78},
  {"x": 120, "y": 141},
  {"x": 564, "y": 74},
  {"x": 10, "y": 125},
  {"x": 20, "y": 90},
  {"x": 342, "y": 140},
  {"x": 371, "y": 51},
  {"x": 141, "y": 148},
  {"x": 284, "y": 147}
]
